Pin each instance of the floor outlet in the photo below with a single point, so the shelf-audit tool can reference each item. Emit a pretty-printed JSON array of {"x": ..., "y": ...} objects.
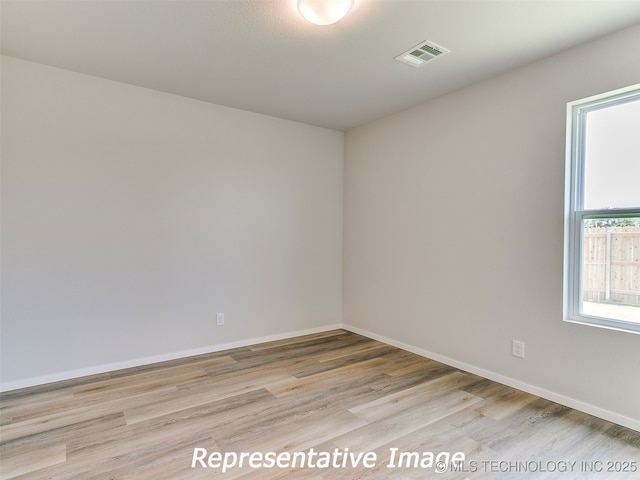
[
  {"x": 517, "y": 348},
  {"x": 220, "y": 319}
]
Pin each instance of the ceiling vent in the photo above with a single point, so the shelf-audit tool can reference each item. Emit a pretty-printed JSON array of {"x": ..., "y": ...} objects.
[{"x": 421, "y": 54}]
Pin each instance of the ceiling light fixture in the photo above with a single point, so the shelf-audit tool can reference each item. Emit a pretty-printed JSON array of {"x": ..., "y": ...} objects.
[{"x": 324, "y": 12}]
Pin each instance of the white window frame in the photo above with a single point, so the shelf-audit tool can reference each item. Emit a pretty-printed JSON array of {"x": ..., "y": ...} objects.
[{"x": 574, "y": 206}]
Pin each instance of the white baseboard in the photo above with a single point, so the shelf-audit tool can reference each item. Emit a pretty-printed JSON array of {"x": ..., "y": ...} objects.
[
  {"x": 83, "y": 372},
  {"x": 525, "y": 387}
]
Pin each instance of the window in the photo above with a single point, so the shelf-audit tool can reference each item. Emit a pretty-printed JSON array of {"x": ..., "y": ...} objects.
[{"x": 602, "y": 232}]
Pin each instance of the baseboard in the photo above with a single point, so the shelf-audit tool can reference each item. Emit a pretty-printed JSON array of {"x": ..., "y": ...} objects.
[
  {"x": 83, "y": 372},
  {"x": 525, "y": 387}
]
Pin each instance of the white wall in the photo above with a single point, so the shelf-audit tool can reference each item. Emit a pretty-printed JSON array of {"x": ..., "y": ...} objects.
[
  {"x": 454, "y": 231},
  {"x": 130, "y": 217}
]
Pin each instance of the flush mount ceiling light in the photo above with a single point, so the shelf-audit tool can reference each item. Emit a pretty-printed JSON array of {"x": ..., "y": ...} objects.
[{"x": 324, "y": 12}]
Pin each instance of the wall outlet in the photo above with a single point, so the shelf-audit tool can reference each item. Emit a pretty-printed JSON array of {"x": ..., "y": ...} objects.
[
  {"x": 517, "y": 348},
  {"x": 219, "y": 319}
]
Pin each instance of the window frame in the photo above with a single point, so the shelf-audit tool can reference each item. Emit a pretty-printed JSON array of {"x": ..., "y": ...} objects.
[{"x": 574, "y": 206}]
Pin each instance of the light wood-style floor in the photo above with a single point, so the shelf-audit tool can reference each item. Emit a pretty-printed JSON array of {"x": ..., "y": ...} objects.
[{"x": 335, "y": 390}]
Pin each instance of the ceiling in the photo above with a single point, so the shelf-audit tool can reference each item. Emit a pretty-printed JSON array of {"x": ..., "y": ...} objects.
[{"x": 260, "y": 55}]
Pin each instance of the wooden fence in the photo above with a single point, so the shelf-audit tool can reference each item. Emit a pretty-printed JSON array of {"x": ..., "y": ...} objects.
[{"x": 612, "y": 265}]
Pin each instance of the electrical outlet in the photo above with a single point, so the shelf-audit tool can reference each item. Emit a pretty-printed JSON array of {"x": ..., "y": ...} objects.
[
  {"x": 219, "y": 319},
  {"x": 517, "y": 348}
]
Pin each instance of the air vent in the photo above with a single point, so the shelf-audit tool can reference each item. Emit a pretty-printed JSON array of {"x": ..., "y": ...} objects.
[{"x": 421, "y": 54}]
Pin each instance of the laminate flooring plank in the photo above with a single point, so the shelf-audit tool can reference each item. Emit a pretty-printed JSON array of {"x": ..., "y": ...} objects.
[
  {"x": 204, "y": 419},
  {"x": 555, "y": 435},
  {"x": 311, "y": 347},
  {"x": 82, "y": 431},
  {"x": 442, "y": 435},
  {"x": 402, "y": 422},
  {"x": 59, "y": 420},
  {"x": 6, "y": 418},
  {"x": 294, "y": 433},
  {"x": 29, "y": 447},
  {"x": 26, "y": 393},
  {"x": 283, "y": 474},
  {"x": 89, "y": 399},
  {"x": 141, "y": 369},
  {"x": 527, "y": 419},
  {"x": 37, "y": 400},
  {"x": 402, "y": 363},
  {"x": 350, "y": 351},
  {"x": 149, "y": 378},
  {"x": 504, "y": 402},
  {"x": 247, "y": 369},
  {"x": 585, "y": 436},
  {"x": 315, "y": 337},
  {"x": 288, "y": 365},
  {"x": 295, "y": 410},
  {"x": 326, "y": 379},
  {"x": 323, "y": 391},
  {"x": 415, "y": 397},
  {"x": 157, "y": 453},
  {"x": 206, "y": 392},
  {"x": 305, "y": 356},
  {"x": 175, "y": 464},
  {"x": 108, "y": 451},
  {"x": 21, "y": 461},
  {"x": 622, "y": 435},
  {"x": 372, "y": 352}
]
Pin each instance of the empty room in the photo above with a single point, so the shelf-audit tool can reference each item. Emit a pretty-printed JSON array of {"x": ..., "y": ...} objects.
[{"x": 320, "y": 239}]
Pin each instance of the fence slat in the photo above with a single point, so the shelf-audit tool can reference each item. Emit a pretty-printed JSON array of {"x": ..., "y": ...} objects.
[{"x": 611, "y": 270}]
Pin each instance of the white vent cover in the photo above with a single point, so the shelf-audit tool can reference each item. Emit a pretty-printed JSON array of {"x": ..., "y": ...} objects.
[{"x": 421, "y": 54}]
